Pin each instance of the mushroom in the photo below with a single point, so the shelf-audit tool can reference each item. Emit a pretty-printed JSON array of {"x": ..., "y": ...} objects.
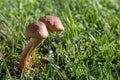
[
  {"x": 38, "y": 32},
  {"x": 53, "y": 23}
]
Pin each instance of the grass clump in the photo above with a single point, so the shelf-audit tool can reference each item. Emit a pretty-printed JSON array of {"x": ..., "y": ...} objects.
[{"x": 89, "y": 49}]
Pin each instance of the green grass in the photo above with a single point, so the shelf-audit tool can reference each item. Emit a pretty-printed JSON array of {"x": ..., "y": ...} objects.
[{"x": 88, "y": 49}]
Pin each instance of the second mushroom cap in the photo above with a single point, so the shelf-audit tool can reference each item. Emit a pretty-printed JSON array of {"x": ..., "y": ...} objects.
[{"x": 52, "y": 23}]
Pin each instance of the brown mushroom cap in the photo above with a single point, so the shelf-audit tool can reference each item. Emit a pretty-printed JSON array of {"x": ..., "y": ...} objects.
[
  {"x": 52, "y": 23},
  {"x": 37, "y": 30}
]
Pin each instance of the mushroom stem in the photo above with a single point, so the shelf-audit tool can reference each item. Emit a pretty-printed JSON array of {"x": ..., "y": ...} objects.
[{"x": 25, "y": 55}]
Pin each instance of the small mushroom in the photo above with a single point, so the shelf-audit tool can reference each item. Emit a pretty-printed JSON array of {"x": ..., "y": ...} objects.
[
  {"x": 45, "y": 61},
  {"x": 53, "y": 23},
  {"x": 38, "y": 33}
]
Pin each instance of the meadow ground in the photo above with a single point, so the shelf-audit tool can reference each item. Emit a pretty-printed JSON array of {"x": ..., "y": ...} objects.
[{"x": 88, "y": 49}]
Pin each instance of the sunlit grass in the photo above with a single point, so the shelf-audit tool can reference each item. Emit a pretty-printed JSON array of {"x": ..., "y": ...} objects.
[{"x": 88, "y": 49}]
